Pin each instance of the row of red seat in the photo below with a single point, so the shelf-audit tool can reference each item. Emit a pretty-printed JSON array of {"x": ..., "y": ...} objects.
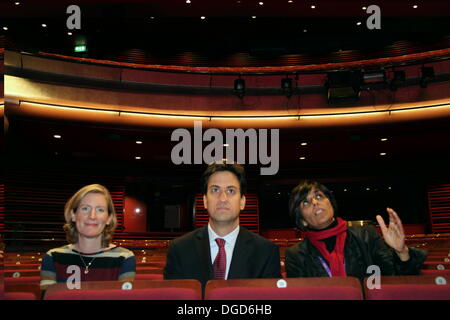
[{"x": 336, "y": 288}]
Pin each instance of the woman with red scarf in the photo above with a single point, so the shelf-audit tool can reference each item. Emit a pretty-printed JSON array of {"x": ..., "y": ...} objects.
[{"x": 331, "y": 248}]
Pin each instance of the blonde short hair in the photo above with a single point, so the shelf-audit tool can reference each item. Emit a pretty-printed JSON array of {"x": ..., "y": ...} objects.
[{"x": 72, "y": 205}]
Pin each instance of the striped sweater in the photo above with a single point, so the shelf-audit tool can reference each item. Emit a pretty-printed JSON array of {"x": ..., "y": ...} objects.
[{"x": 114, "y": 263}]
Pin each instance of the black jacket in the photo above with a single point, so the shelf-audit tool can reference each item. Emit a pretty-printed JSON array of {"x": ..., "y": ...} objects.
[
  {"x": 189, "y": 257},
  {"x": 363, "y": 247}
]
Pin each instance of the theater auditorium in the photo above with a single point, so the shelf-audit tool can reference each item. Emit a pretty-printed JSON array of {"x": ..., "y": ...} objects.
[{"x": 141, "y": 96}]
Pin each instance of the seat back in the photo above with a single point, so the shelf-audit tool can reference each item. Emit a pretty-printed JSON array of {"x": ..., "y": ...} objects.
[
  {"x": 140, "y": 290},
  {"x": 422, "y": 287},
  {"x": 22, "y": 291},
  {"x": 336, "y": 288}
]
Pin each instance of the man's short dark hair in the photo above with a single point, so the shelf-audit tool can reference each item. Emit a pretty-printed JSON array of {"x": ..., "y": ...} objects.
[
  {"x": 300, "y": 192},
  {"x": 235, "y": 168}
]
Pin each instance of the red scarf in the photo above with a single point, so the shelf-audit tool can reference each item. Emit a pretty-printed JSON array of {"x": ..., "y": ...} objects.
[{"x": 336, "y": 258}]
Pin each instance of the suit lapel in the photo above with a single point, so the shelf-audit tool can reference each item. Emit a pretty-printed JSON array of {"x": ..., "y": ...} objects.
[
  {"x": 241, "y": 253},
  {"x": 204, "y": 253}
]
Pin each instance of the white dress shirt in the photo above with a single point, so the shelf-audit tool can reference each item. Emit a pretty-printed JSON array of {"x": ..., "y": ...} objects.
[{"x": 230, "y": 241}]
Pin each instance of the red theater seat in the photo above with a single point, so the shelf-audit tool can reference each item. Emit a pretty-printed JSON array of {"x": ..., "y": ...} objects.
[
  {"x": 336, "y": 288},
  {"x": 149, "y": 276},
  {"x": 33, "y": 279},
  {"x": 435, "y": 272},
  {"x": 20, "y": 296},
  {"x": 22, "y": 291},
  {"x": 422, "y": 287},
  {"x": 142, "y": 290}
]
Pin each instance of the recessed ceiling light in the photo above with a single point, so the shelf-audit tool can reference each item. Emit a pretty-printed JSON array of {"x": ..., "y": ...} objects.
[
  {"x": 383, "y": 139},
  {"x": 44, "y": 25},
  {"x": 138, "y": 142},
  {"x": 138, "y": 158},
  {"x": 57, "y": 136}
]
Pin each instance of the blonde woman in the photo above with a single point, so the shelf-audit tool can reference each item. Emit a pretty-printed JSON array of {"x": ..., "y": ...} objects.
[{"x": 90, "y": 224}]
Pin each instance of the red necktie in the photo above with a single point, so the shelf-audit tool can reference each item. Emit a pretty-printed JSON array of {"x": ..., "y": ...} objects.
[{"x": 220, "y": 263}]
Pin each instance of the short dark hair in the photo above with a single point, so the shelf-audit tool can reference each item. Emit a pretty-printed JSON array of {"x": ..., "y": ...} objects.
[
  {"x": 235, "y": 168},
  {"x": 300, "y": 192}
]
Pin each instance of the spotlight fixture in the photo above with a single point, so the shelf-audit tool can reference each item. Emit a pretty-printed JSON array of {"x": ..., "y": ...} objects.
[
  {"x": 373, "y": 78},
  {"x": 286, "y": 86},
  {"x": 239, "y": 87},
  {"x": 397, "y": 80},
  {"x": 427, "y": 76},
  {"x": 343, "y": 86}
]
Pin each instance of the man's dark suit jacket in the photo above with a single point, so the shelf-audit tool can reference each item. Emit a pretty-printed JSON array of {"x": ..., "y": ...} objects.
[{"x": 189, "y": 257}]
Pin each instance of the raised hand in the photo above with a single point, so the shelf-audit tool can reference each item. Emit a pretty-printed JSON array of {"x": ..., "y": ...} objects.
[{"x": 394, "y": 236}]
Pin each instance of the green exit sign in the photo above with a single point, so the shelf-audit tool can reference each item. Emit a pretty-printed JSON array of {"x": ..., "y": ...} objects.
[{"x": 80, "y": 48}]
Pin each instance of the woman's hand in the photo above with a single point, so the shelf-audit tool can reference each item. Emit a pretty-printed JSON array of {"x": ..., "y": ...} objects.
[{"x": 394, "y": 236}]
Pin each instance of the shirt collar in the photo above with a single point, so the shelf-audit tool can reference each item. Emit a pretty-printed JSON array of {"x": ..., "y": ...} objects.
[{"x": 230, "y": 238}]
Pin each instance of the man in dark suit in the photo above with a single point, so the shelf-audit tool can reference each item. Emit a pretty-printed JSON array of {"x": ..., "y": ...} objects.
[{"x": 222, "y": 249}]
